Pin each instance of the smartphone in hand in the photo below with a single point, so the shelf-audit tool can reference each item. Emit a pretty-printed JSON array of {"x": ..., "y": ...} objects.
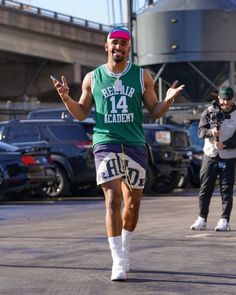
[{"x": 53, "y": 78}]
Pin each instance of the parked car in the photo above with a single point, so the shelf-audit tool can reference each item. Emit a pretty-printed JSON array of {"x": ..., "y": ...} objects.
[
  {"x": 70, "y": 146},
  {"x": 170, "y": 165},
  {"x": 170, "y": 154},
  {"x": 25, "y": 170},
  {"x": 197, "y": 153}
]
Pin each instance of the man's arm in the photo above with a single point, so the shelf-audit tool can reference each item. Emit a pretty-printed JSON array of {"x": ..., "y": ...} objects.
[
  {"x": 81, "y": 109},
  {"x": 155, "y": 108},
  {"x": 204, "y": 128}
]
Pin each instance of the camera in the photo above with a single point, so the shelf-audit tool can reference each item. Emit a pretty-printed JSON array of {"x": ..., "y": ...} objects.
[{"x": 217, "y": 116}]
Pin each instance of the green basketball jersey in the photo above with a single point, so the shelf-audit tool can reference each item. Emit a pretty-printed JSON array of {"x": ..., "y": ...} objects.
[{"x": 118, "y": 104}]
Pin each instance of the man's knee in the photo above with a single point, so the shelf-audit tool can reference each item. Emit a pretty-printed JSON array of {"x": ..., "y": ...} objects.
[
  {"x": 133, "y": 206},
  {"x": 113, "y": 200}
]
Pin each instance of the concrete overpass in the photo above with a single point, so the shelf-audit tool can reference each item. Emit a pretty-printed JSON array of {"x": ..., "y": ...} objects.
[{"x": 36, "y": 43}]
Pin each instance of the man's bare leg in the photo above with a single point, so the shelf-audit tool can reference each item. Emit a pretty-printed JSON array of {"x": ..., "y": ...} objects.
[
  {"x": 113, "y": 200},
  {"x": 130, "y": 215}
]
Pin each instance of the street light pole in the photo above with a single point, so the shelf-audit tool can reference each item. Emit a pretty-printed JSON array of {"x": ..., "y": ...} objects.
[{"x": 130, "y": 19}]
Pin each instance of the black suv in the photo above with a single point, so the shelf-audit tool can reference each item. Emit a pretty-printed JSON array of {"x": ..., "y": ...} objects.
[
  {"x": 169, "y": 156},
  {"x": 70, "y": 147}
]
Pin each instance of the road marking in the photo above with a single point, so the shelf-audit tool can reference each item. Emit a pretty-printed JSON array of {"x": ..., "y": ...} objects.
[
  {"x": 207, "y": 235},
  {"x": 199, "y": 235}
]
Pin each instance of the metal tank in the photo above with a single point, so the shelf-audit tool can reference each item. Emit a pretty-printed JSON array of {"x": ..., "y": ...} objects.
[{"x": 189, "y": 40}]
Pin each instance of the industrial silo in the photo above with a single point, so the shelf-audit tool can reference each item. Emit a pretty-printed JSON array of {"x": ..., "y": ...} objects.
[{"x": 189, "y": 40}]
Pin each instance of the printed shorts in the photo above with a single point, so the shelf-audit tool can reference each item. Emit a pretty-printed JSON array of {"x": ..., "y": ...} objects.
[{"x": 115, "y": 161}]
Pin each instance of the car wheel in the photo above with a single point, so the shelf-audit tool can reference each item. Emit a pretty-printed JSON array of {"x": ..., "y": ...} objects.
[
  {"x": 61, "y": 187},
  {"x": 150, "y": 180},
  {"x": 166, "y": 184}
]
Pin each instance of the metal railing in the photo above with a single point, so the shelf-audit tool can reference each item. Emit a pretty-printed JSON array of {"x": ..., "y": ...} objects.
[{"x": 55, "y": 15}]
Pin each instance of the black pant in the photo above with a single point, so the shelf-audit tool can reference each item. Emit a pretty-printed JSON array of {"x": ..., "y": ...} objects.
[{"x": 210, "y": 169}]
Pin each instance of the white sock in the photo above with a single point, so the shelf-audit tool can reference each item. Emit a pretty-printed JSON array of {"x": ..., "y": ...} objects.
[
  {"x": 126, "y": 237},
  {"x": 115, "y": 244}
]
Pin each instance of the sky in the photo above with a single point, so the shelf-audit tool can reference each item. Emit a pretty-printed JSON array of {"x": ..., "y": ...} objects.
[{"x": 100, "y": 11}]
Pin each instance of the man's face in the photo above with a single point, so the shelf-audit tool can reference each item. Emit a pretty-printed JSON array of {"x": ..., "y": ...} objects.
[
  {"x": 226, "y": 104},
  {"x": 118, "y": 49}
]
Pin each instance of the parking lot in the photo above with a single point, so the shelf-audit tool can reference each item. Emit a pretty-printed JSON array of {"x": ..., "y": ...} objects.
[{"x": 61, "y": 248}]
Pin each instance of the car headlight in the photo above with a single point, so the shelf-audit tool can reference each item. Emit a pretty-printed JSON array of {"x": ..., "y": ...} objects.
[
  {"x": 163, "y": 137},
  {"x": 189, "y": 154}
]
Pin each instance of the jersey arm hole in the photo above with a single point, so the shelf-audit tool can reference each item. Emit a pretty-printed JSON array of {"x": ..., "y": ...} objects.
[
  {"x": 92, "y": 82},
  {"x": 142, "y": 80}
]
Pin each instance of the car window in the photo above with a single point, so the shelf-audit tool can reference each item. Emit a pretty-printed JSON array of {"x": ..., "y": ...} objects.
[
  {"x": 23, "y": 133},
  {"x": 68, "y": 132},
  {"x": 195, "y": 140}
]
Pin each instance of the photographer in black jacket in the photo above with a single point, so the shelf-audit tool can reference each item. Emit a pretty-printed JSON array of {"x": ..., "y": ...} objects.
[{"x": 218, "y": 128}]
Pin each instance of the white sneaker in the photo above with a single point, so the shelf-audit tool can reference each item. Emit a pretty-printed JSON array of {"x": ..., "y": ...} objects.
[
  {"x": 222, "y": 225},
  {"x": 118, "y": 271},
  {"x": 199, "y": 224}
]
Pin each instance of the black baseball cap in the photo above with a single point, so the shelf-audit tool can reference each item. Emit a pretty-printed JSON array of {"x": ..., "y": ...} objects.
[{"x": 226, "y": 93}]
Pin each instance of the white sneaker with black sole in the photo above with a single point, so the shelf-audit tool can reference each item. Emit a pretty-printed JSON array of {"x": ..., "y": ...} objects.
[
  {"x": 222, "y": 225},
  {"x": 199, "y": 224}
]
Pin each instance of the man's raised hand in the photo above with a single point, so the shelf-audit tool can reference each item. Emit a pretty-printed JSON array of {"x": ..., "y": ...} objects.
[
  {"x": 61, "y": 87},
  {"x": 173, "y": 91}
]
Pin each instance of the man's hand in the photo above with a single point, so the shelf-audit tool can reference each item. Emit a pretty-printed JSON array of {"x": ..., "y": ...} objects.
[
  {"x": 215, "y": 132},
  {"x": 172, "y": 92},
  {"x": 218, "y": 145},
  {"x": 62, "y": 88}
]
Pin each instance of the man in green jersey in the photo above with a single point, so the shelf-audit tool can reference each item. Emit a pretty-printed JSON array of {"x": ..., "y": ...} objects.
[{"x": 118, "y": 89}]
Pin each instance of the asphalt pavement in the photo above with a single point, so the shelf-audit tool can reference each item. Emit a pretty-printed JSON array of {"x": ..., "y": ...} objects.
[{"x": 60, "y": 248}]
